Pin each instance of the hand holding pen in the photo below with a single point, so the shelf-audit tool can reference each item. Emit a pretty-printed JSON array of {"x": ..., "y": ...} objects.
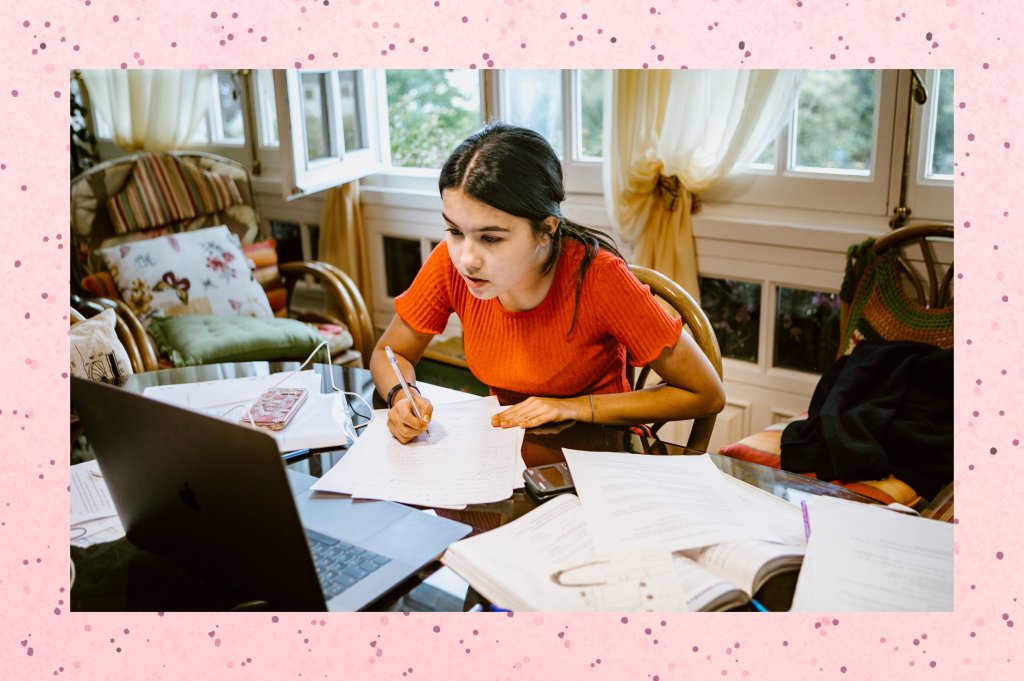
[{"x": 407, "y": 421}]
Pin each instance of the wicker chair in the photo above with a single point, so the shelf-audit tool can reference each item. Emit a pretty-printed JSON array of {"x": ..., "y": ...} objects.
[
  {"x": 343, "y": 320},
  {"x": 694, "y": 319}
]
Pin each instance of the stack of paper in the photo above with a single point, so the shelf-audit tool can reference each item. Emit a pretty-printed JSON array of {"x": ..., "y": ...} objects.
[
  {"x": 862, "y": 557},
  {"x": 93, "y": 516},
  {"x": 674, "y": 502},
  {"x": 517, "y": 566},
  {"x": 319, "y": 423},
  {"x": 645, "y": 533},
  {"x": 462, "y": 460}
]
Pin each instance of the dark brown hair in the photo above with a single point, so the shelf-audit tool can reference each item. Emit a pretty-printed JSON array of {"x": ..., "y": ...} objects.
[{"x": 516, "y": 171}]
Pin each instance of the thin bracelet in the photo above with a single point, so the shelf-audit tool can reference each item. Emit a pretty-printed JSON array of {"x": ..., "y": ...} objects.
[{"x": 590, "y": 396}]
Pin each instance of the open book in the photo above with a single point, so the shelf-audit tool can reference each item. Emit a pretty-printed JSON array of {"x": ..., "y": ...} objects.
[
  {"x": 546, "y": 560},
  {"x": 732, "y": 572}
]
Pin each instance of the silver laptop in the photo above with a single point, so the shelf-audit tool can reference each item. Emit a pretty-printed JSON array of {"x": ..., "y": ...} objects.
[{"x": 215, "y": 498}]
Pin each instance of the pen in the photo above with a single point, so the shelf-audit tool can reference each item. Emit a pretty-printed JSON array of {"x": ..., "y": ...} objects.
[
  {"x": 807, "y": 520},
  {"x": 401, "y": 380},
  {"x": 293, "y": 455},
  {"x": 757, "y": 606}
]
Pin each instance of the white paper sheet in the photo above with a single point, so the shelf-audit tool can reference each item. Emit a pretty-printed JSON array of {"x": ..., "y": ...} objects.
[
  {"x": 441, "y": 395},
  {"x": 89, "y": 497},
  {"x": 783, "y": 517},
  {"x": 93, "y": 516},
  {"x": 861, "y": 557},
  {"x": 226, "y": 393},
  {"x": 675, "y": 502},
  {"x": 463, "y": 460},
  {"x": 97, "y": 531},
  {"x": 519, "y": 562},
  {"x": 320, "y": 422}
]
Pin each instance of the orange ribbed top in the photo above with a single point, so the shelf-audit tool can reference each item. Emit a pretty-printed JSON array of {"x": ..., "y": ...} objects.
[{"x": 519, "y": 354}]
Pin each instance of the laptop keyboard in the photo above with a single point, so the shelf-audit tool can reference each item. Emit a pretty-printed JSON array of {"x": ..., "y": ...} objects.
[{"x": 339, "y": 564}]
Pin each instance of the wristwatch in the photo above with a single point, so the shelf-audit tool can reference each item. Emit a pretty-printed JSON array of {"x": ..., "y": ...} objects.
[{"x": 394, "y": 389}]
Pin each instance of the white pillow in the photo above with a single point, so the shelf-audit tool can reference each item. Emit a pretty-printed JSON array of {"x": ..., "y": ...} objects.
[
  {"x": 198, "y": 272},
  {"x": 96, "y": 352}
]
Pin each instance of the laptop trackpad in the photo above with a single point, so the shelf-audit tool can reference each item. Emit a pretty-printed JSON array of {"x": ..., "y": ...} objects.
[
  {"x": 355, "y": 521},
  {"x": 385, "y": 527}
]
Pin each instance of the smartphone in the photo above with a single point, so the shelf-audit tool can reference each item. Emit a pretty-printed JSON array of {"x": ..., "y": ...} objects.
[
  {"x": 276, "y": 407},
  {"x": 549, "y": 480}
]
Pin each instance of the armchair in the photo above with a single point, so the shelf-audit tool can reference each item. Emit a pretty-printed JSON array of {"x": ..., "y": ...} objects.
[{"x": 127, "y": 200}]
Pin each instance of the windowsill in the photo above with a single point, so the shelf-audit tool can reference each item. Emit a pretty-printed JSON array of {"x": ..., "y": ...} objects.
[{"x": 798, "y": 218}]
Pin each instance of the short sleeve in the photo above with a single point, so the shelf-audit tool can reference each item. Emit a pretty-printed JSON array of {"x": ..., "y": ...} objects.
[
  {"x": 427, "y": 304},
  {"x": 631, "y": 313}
]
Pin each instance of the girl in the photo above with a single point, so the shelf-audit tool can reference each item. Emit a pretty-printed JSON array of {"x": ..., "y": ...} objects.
[{"x": 548, "y": 307}]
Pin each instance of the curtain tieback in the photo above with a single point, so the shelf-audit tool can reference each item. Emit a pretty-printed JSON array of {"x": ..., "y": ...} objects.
[{"x": 671, "y": 188}]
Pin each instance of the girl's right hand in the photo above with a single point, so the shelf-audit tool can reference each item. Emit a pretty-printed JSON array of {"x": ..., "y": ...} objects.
[{"x": 402, "y": 421}]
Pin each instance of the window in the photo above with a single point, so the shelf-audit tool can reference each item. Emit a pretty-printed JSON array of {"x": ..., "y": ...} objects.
[
  {"x": 806, "y": 329},
  {"x": 588, "y": 109},
  {"x": 223, "y": 123},
  {"x": 831, "y": 156},
  {"x": 295, "y": 241},
  {"x": 225, "y": 117},
  {"x": 533, "y": 99},
  {"x": 939, "y": 164},
  {"x": 402, "y": 260},
  {"x": 430, "y": 111},
  {"x": 266, "y": 109},
  {"x": 734, "y": 310},
  {"x": 328, "y": 128},
  {"x": 844, "y": 149},
  {"x": 350, "y": 124},
  {"x": 931, "y": 172},
  {"x": 834, "y": 122},
  {"x": 567, "y": 107},
  {"x": 316, "y": 114}
]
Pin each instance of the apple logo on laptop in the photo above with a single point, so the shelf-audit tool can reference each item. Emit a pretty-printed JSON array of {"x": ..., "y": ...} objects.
[{"x": 188, "y": 497}]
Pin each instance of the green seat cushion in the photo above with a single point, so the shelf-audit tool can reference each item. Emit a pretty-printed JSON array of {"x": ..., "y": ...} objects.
[{"x": 190, "y": 340}]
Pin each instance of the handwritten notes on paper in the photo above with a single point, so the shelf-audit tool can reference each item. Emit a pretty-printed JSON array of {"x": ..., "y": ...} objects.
[
  {"x": 545, "y": 560},
  {"x": 93, "y": 516},
  {"x": 463, "y": 460},
  {"x": 676, "y": 502}
]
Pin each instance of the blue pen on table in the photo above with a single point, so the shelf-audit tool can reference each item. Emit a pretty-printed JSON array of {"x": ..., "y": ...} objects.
[
  {"x": 757, "y": 605},
  {"x": 294, "y": 455},
  {"x": 401, "y": 380}
]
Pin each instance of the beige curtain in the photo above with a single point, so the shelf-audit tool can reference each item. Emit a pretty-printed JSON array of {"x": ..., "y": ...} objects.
[
  {"x": 342, "y": 240},
  {"x": 150, "y": 110},
  {"x": 671, "y": 135}
]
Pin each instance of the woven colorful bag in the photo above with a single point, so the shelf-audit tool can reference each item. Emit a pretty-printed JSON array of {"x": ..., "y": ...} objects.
[{"x": 879, "y": 307}]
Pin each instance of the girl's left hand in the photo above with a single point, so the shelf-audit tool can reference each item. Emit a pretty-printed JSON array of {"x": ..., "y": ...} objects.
[{"x": 534, "y": 411}]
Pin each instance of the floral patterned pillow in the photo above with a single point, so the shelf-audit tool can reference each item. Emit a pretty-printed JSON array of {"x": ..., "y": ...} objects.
[{"x": 198, "y": 272}]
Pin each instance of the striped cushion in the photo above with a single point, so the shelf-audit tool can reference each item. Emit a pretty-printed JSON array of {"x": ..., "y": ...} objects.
[
  {"x": 263, "y": 255},
  {"x": 164, "y": 189},
  {"x": 765, "y": 447}
]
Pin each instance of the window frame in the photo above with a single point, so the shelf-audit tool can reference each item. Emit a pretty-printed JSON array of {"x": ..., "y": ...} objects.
[
  {"x": 783, "y": 186},
  {"x": 301, "y": 176},
  {"x": 930, "y": 198}
]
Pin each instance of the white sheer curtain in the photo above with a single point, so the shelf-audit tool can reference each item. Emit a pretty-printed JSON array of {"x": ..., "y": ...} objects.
[
  {"x": 671, "y": 135},
  {"x": 150, "y": 110}
]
